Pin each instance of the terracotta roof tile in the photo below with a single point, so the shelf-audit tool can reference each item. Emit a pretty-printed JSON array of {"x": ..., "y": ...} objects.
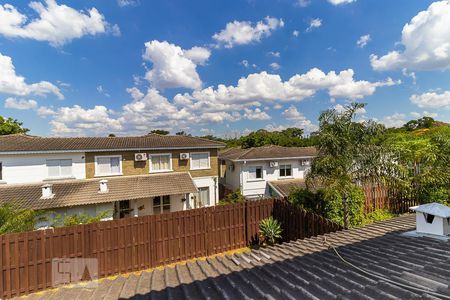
[
  {"x": 86, "y": 191},
  {"x": 267, "y": 152},
  {"x": 23, "y": 143},
  {"x": 284, "y": 187}
]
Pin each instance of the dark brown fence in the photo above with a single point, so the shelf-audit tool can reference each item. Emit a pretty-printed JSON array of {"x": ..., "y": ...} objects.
[
  {"x": 133, "y": 244},
  {"x": 381, "y": 197}
]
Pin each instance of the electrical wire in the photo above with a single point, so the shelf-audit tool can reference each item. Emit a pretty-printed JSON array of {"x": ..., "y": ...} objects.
[{"x": 406, "y": 286}]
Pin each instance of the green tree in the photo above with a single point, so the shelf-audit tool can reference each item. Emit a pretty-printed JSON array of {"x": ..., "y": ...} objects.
[
  {"x": 11, "y": 126},
  {"x": 13, "y": 219},
  {"x": 159, "y": 131},
  {"x": 182, "y": 133},
  {"x": 350, "y": 153}
]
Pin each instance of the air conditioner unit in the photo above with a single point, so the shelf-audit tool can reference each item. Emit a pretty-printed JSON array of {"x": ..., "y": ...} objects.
[
  {"x": 305, "y": 162},
  {"x": 273, "y": 164},
  {"x": 140, "y": 156},
  {"x": 184, "y": 156}
]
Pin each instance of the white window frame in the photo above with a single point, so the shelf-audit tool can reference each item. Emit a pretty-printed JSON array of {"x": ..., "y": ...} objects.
[
  {"x": 292, "y": 171},
  {"x": 59, "y": 176},
  {"x": 1, "y": 172},
  {"x": 209, "y": 161},
  {"x": 253, "y": 168},
  {"x": 159, "y": 171},
  {"x": 96, "y": 174}
]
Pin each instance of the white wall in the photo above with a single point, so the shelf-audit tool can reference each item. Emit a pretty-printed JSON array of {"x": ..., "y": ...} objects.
[
  {"x": 232, "y": 176},
  {"x": 256, "y": 188},
  {"x": 32, "y": 168},
  {"x": 437, "y": 227},
  {"x": 212, "y": 183}
]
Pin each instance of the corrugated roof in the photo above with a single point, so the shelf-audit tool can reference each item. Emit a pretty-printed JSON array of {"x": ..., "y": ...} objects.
[
  {"x": 267, "y": 152},
  {"x": 302, "y": 269},
  {"x": 284, "y": 187},
  {"x": 81, "y": 192},
  {"x": 24, "y": 143}
]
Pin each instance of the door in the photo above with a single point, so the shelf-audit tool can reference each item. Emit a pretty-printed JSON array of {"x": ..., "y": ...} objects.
[{"x": 201, "y": 198}]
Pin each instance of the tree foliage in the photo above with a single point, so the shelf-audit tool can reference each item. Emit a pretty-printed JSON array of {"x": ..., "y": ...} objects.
[
  {"x": 13, "y": 219},
  {"x": 234, "y": 197},
  {"x": 159, "y": 131},
  {"x": 11, "y": 126},
  {"x": 60, "y": 220}
]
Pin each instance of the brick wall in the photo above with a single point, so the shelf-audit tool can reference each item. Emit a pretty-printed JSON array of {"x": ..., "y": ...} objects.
[{"x": 131, "y": 167}]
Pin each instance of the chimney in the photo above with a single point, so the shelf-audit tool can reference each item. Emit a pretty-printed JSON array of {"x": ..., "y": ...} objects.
[
  {"x": 47, "y": 191},
  {"x": 103, "y": 186}
]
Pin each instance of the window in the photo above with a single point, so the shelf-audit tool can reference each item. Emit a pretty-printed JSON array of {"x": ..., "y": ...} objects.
[
  {"x": 1, "y": 171},
  {"x": 58, "y": 168},
  {"x": 108, "y": 165},
  {"x": 201, "y": 199},
  {"x": 124, "y": 209},
  {"x": 200, "y": 161},
  {"x": 160, "y": 162},
  {"x": 255, "y": 173},
  {"x": 285, "y": 171},
  {"x": 161, "y": 204}
]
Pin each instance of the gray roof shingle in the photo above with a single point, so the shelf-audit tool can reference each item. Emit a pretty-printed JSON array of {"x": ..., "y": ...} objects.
[
  {"x": 26, "y": 143},
  {"x": 302, "y": 269},
  {"x": 284, "y": 187},
  {"x": 267, "y": 152},
  {"x": 86, "y": 191}
]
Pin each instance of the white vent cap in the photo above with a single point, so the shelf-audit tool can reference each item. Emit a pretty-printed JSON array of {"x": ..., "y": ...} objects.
[
  {"x": 103, "y": 186},
  {"x": 47, "y": 191},
  {"x": 435, "y": 209}
]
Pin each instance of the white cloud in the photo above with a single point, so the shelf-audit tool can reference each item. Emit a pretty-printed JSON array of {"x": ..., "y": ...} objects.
[
  {"x": 340, "y": 2},
  {"x": 299, "y": 120},
  {"x": 44, "y": 111},
  {"x": 411, "y": 75},
  {"x": 124, "y": 3},
  {"x": 256, "y": 114},
  {"x": 174, "y": 67},
  {"x": 275, "y": 66},
  {"x": 275, "y": 53},
  {"x": 425, "y": 113},
  {"x": 296, "y": 33},
  {"x": 432, "y": 100},
  {"x": 314, "y": 23},
  {"x": 244, "y": 32},
  {"x": 102, "y": 91},
  {"x": 303, "y": 3},
  {"x": 425, "y": 40},
  {"x": 363, "y": 40},
  {"x": 395, "y": 120},
  {"x": 56, "y": 24},
  {"x": 341, "y": 108},
  {"x": 115, "y": 30},
  {"x": 11, "y": 83},
  {"x": 245, "y": 63},
  {"x": 20, "y": 104}
]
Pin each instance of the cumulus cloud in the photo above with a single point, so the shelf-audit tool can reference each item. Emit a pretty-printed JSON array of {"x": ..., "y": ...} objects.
[
  {"x": 244, "y": 32},
  {"x": 174, "y": 67},
  {"x": 425, "y": 113},
  {"x": 363, "y": 40},
  {"x": 303, "y": 3},
  {"x": 20, "y": 104},
  {"x": 275, "y": 66},
  {"x": 44, "y": 111},
  {"x": 232, "y": 103},
  {"x": 56, "y": 24},
  {"x": 340, "y": 2},
  {"x": 432, "y": 100},
  {"x": 425, "y": 40},
  {"x": 314, "y": 23},
  {"x": 299, "y": 120},
  {"x": 124, "y": 3},
  {"x": 275, "y": 53},
  {"x": 11, "y": 83},
  {"x": 395, "y": 120}
]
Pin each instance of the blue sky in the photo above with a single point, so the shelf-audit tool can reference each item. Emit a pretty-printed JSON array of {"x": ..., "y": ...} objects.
[{"x": 219, "y": 67}]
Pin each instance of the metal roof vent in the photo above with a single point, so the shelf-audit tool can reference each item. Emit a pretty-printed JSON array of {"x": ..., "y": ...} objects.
[
  {"x": 47, "y": 191},
  {"x": 103, "y": 186},
  {"x": 433, "y": 218}
]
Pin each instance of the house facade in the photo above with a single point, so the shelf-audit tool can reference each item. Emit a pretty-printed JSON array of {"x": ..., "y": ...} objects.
[
  {"x": 270, "y": 171},
  {"x": 128, "y": 176}
]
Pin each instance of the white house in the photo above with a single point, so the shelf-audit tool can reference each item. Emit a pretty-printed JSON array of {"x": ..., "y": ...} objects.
[
  {"x": 433, "y": 218},
  {"x": 265, "y": 171}
]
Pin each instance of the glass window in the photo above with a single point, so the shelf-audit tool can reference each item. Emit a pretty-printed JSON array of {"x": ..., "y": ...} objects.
[
  {"x": 203, "y": 194},
  {"x": 161, "y": 204},
  {"x": 160, "y": 162},
  {"x": 255, "y": 173},
  {"x": 59, "y": 168},
  {"x": 200, "y": 161},
  {"x": 108, "y": 165},
  {"x": 285, "y": 171},
  {"x": 1, "y": 171}
]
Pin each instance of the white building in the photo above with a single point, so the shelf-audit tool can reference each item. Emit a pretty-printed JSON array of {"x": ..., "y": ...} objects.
[
  {"x": 265, "y": 171},
  {"x": 433, "y": 218}
]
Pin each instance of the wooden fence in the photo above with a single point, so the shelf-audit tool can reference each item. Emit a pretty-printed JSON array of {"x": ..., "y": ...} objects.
[
  {"x": 139, "y": 243},
  {"x": 381, "y": 197}
]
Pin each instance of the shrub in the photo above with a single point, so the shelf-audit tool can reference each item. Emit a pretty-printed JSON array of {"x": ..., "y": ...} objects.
[
  {"x": 234, "y": 197},
  {"x": 13, "y": 219},
  {"x": 270, "y": 230},
  {"x": 378, "y": 215},
  {"x": 306, "y": 199},
  {"x": 77, "y": 219}
]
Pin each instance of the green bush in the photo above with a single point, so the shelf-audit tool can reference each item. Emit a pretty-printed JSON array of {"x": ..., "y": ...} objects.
[
  {"x": 270, "y": 231},
  {"x": 77, "y": 219},
  {"x": 234, "y": 197},
  {"x": 306, "y": 199},
  {"x": 378, "y": 215},
  {"x": 439, "y": 195},
  {"x": 13, "y": 219}
]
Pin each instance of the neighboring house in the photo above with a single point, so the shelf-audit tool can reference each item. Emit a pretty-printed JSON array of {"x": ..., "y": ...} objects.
[
  {"x": 129, "y": 176},
  {"x": 265, "y": 171}
]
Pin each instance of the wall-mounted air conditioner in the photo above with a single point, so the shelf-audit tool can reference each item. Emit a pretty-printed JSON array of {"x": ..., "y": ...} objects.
[
  {"x": 273, "y": 164},
  {"x": 184, "y": 156},
  {"x": 305, "y": 162},
  {"x": 140, "y": 156}
]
